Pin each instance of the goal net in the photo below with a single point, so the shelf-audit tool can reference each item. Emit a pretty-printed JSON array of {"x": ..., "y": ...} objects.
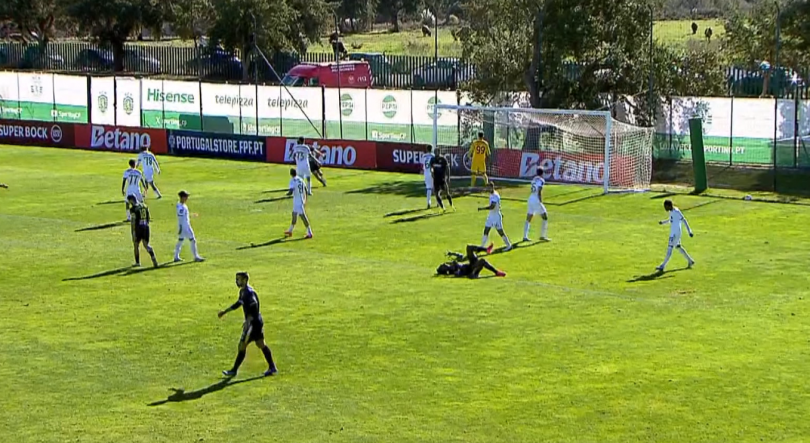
[{"x": 577, "y": 147}]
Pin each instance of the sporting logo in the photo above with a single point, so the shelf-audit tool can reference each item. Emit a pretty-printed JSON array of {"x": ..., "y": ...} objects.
[
  {"x": 103, "y": 102},
  {"x": 129, "y": 103}
]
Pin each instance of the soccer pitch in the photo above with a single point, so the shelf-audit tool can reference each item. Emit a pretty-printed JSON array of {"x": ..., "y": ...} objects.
[{"x": 577, "y": 344}]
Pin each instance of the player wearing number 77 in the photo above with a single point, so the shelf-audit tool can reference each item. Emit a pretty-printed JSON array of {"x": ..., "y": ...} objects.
[
  {"x": 298, "y": 190},
  {"x": 675, "y": 219}
]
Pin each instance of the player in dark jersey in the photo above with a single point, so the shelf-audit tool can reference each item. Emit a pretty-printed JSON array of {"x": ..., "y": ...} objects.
[
  {"x": 252, "y": 329},
  {"x": 140, "y": 229},
  {"x": 315, "y": 165},
  {"x": 441, "y": 179},
  {"x": 474, "y": 264},
  {"x": 3, "y": 185}
]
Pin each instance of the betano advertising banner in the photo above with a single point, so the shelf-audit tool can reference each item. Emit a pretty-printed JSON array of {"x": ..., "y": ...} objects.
[
  {"x": 204, "y": 144},
  {"x": 120, "y": 139},
  {"x": 170, "y": 105},
  {"x": 292, "y": 112},
  {"x": 34, "y": 133},
  {"x": 335, "y": 153}
]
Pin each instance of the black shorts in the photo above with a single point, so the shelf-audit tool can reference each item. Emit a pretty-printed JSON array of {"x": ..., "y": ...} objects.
[
  {"x": 440, "y": 183},
  {"x": 141, "y": 234},
  {"x": 314, "y": 166},
  {"x": 252, "y": 331}
]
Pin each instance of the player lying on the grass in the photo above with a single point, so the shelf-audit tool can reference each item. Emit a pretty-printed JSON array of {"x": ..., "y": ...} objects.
[
  {"x": 132, "y": 185},
  {"x": 315, "y": 165},
  {"x": 301, "y": 154},
  {"x": 184, "y": 229},
  {"x": 495, "y": 217},
  {"x": 472, "y": 268},
  {"x": 252, "y": 328},
  {"x": 536, "y": 207},
  {"x": 149, "y": 164},
  {"x": 441, "y": 179},
  {"x": 299, "y": 194},
  {"x": 140, "y": 229},
  {"x": 479, "y": 154},
  {"x": 3, "y": 185},
  {"x": 675, "y": 220},
  {"x": 427, "y": 161}
]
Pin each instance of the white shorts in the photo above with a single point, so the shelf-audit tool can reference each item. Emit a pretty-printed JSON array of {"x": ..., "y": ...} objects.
[
  {"x": 136, "y": 193},
  {"x": 674, "y": 240},
  {"x": 149, "y": 176},
  {"x": 303, "y": 171},
  {"x": 495, "y": 221},
  {"x": 429, "y": 181},
  {"x": 298, "y": 208},
  {"x": 184, "y": 232},
  {"x": 536, "y": 208}
]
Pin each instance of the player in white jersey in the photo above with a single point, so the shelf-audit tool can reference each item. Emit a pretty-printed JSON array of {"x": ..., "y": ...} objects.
[
  {"x": 299, "y": 195},
  {"x": 428, "y": 171},
  {"x": 536, "y": 207},
  {"x": 149, "y": 164},
  {"x": 300, "y": 154},
  {"x": 675, "y": 220},
  {"x": 184, "y": 230},
  {"x": 132, "y": 185},
  {"x": 495, "y": 217}
]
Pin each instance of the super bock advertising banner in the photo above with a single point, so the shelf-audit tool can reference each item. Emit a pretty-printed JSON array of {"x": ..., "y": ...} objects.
[{"x": 203, "y": 144}]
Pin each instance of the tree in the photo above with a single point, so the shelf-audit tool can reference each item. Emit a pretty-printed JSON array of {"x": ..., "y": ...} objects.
[
  {"x": 358, "y": 12},
  {"x": 190, "y": 19},
  {"x": 34, "y": 18},
  {"x": 796, "y": 31},
  {"x": 113, "y": 22},
  {"x": 395, "y": 9},
  {"x": 280, "y": 25}
]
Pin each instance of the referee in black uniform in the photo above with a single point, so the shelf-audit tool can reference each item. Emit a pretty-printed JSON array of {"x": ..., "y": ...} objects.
[{"x": 252, "y": 329}]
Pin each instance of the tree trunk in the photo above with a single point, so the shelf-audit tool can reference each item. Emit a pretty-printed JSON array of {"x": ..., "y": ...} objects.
[
  {"x": 395, "y": 20},
  {"x": 118, "y": 55},
  {"x": 247, "y": 51},
  {"x": 532, "y": 75},
  {"x": 766, "y": 82}
]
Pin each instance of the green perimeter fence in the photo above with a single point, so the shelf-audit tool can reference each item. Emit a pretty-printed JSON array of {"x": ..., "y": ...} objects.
[
  {"x": 737, "y": 131},
  {"x": 389, "y": 71}
]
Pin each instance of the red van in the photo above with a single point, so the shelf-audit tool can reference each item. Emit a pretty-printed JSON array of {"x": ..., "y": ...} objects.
[{"x": 353, "y": 74}]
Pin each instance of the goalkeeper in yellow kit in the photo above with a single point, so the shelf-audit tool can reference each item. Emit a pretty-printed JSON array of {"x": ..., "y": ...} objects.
[{"x": 479, "y": 154}]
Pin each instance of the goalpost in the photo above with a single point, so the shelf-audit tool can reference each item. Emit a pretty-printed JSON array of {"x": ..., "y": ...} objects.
[{"x": 572, "y": 146}]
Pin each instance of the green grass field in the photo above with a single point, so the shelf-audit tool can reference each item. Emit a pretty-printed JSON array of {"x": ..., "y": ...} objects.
[{"x": 578, "y": 344}]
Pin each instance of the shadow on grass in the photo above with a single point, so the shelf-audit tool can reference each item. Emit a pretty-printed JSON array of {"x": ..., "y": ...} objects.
[
  {"x": 419, "y": 217},
  {"x": 657, "y": 275},
  {"x": 104, "y": 226},
  {"x": 663, "y": 195},
  {"x": 180, "y": 395},
  {"x": 275, "y": 191},
  {"x": 112, "y": 202},
  {"x": 129, "y": 270},
  {"x": 404, "y": 212},
  {"x": 412, "y": 188},
  {"x": 517, "y": 245},
  {"x": 577, "y": 200},
  {"x": 270, "y": 243},
  {"x": 274, "y": 199},
  {"x": 699, "y": 205}
]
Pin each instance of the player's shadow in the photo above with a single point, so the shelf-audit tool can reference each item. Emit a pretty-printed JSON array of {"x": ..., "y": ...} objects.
[
  {"x": 404, "y": 212},
  {"x": 100, "y": 227},
  {"x": 411, "y": 188},
  {"x": 657, "y": 275},
  {"x": 270, "y": 243},
  {"x": 166, "y": 265},
  {"x": 111, "y": 202},
  {"x": 100, "y": 274},
  {"x": 274, "y": 199},
  {"x": 180, "y": 395},
  {"x": 275, "y": 191},
  {"x": 662, "y": 195},
  {"x": 419, "y": 217}
]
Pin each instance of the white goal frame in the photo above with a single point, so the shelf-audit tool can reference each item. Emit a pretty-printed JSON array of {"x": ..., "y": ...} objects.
[{"x": 603, "y": 114}]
